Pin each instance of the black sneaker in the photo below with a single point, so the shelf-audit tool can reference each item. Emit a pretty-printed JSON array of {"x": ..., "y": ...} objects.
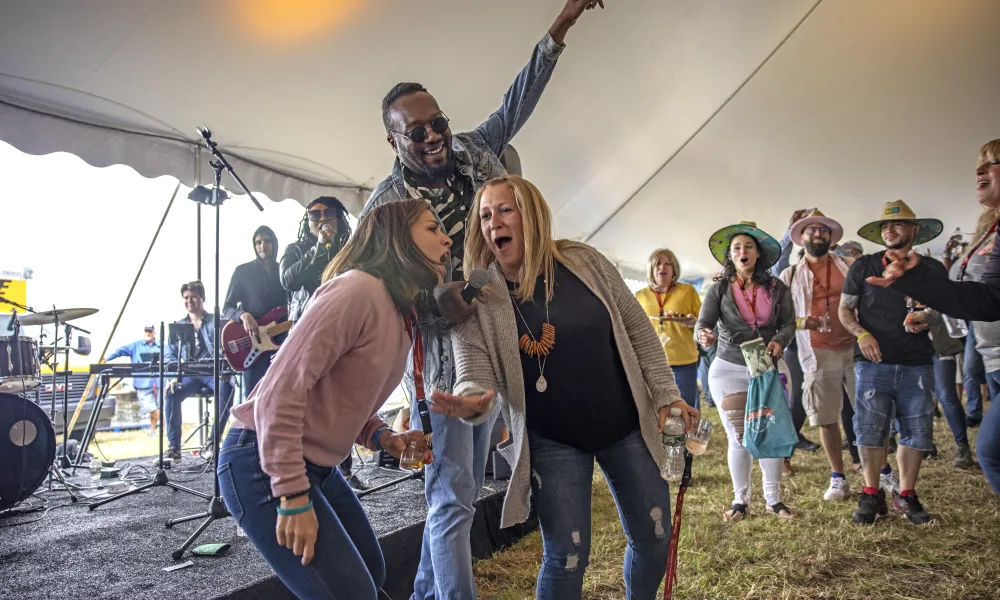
[
  {"x": 807, "y": 445},
  {"x": 910, "y": 506},
  {"x": 356, "y": 484},
  {"x": 173, "y": 454},
  {"x": 932, "y": 453},
  {"x": 971, "y": 422},
  {"x": 870, "y": 507}
]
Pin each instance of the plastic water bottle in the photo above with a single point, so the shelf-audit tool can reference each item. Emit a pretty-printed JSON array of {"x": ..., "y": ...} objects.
[
  {"x": 95, "y": 469},
  {"x": 674, "y": 439}
]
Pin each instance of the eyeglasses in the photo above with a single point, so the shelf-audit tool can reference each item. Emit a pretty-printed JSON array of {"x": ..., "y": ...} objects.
[
  {"x": 316, "y": 215},
  {"x": 820, "y": 229},
  {"x": 418, "y": 134}
]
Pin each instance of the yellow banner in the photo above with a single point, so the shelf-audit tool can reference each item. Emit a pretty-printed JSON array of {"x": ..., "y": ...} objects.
[{"x": 15, "y": 290}]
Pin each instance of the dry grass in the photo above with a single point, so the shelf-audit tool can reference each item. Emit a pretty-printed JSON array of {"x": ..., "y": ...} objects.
[
  {"x": 133, "y": 443},
  {"x": 823, "y": 555}
]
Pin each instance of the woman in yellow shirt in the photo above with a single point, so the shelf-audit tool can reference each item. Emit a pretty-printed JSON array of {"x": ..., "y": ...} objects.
[{"x": 673, "y": 310}]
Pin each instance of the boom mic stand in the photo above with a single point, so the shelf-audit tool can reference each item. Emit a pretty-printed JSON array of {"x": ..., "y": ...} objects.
[
  {"x": 216, "y": 507},
  {"x": 160, "y": 479}
]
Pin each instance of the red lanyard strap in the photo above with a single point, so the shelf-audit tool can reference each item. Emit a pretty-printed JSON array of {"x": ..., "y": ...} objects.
[
  {"x": 662, "y": 302},
  {"x": 751, "y": 302},
  {"x": 418, "y": 372}
]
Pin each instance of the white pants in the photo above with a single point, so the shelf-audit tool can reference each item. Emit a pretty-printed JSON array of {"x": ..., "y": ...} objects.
[{"x": 725, "y": 378}]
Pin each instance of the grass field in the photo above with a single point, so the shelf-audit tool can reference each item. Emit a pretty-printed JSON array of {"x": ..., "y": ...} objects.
[{"x": 822, "y": 555}]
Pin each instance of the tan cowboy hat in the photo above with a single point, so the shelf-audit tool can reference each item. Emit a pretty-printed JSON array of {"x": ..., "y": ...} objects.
[
  {"x": 816, "y": 218},
  {"x": 718, "y": 243},
  {"x": 898, "y": 210}
]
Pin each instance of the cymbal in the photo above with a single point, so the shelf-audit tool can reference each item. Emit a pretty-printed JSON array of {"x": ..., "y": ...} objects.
[{"x": 49, "y": 316}]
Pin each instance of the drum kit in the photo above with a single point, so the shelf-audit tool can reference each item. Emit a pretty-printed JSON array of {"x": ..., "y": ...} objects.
[{"x": 27, "y": 435}]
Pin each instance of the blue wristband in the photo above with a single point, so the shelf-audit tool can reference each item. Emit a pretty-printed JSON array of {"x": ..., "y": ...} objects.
[
  {"x": 289, "y": 512},
  {"x": 377, "y": 437}
]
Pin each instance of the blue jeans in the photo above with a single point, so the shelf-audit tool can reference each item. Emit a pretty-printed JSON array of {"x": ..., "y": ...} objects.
[
  {"x": 974, "y": 375},
  {"x": 348, "y": 560},
  {"x": 562, "y": 478},
  {"x": 886, "y": 393},
  {"x": 947, "y": 395},
  {"x": 188, "y": 387},
  {"x": 686, "y": 377},
  {"x": 988, "y": 441},
  {"x": 452, "y": 482},
  {"x": 703, "y": 364}
]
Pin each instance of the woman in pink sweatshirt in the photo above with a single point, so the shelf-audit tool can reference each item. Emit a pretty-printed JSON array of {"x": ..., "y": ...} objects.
[{"x": 277, "y": 466}]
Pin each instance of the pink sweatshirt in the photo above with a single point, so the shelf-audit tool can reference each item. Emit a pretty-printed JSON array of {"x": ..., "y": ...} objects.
[{"x": 334, "y": 371}]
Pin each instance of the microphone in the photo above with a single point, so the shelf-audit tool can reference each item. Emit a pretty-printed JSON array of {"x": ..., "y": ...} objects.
[
  {"x": 205, "y": 132},
  {"x": 478, "y": 279},
  {"x": 325, "y": 228}
]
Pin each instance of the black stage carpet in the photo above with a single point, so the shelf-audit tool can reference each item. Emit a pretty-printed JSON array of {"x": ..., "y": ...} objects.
[{"x": 119, "y": 550}]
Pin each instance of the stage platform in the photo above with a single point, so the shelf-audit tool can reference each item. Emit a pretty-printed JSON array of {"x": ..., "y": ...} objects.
[{"x": 119, "y": 550}]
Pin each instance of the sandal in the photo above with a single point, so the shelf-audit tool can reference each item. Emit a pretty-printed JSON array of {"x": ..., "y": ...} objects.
[
  {"x": 781, "y": 511},
  {"x": 737, "y": 512}
]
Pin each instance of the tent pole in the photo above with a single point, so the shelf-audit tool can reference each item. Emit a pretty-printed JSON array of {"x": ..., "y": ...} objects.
[{"x": 107, "y": 343}]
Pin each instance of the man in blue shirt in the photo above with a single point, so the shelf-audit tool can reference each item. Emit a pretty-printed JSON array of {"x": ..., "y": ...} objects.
[{"x": 145, "y": 350}]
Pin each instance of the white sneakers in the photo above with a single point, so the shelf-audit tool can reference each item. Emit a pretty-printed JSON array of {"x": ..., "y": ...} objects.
[{"x": 838, "y": 491}]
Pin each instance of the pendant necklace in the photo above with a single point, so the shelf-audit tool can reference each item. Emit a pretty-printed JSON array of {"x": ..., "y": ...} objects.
[{"x": 538, "y": 349}]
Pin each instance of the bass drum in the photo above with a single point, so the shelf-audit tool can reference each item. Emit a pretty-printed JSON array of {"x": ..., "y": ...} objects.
[{"x": 27, "y": 448}]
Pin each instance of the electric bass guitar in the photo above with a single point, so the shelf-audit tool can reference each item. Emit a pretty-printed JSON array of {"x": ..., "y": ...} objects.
[{"x": 242, "y": 349}]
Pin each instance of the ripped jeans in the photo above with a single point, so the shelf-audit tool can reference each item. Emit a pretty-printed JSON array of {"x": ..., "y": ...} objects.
[{"x": 562, "y": 478}]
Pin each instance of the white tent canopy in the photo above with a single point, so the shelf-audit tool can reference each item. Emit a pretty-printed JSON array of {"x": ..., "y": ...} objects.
[{"x": 665, "y": 119}]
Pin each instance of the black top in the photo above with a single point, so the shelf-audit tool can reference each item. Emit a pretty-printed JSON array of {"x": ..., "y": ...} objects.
[
  {"x": 881, "y": 312},
  {"x": 588, "y": 404},
  {"x": 256, "y": 288},
  {"x": 974, "y": 301}
]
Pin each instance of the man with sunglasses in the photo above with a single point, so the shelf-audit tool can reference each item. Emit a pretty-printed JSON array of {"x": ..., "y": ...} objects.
[
  {"x": 825, "y": 347},
  {"x": 322, "y": 233},
  {"x": 255, "y": 290},
  {"x": 446, "y": 169}
]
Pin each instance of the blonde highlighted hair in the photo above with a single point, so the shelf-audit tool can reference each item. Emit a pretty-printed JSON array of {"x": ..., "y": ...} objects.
[
  {"x": 654, "y": 259},
  {"x": 540, "y": 251},
  {"x": 989, "y": 153}
]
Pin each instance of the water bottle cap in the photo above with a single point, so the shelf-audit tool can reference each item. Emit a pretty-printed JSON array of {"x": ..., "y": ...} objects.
[{"x": 675, "y": 412}]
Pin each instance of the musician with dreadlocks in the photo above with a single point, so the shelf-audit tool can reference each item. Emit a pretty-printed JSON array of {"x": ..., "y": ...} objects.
[{"x": 323, "y": 232}]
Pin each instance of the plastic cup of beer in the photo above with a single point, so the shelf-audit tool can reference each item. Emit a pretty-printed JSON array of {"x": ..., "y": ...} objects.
[
  {"x": 697, "y": 438},
  {"x": 412, "y": 459}
]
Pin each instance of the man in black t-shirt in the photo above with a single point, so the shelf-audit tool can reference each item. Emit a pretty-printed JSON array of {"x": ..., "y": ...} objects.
[{"x": 893, "y": 364}]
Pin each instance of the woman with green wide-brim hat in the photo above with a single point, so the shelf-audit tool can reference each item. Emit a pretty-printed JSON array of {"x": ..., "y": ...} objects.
[{"x": 748, "y": 304}]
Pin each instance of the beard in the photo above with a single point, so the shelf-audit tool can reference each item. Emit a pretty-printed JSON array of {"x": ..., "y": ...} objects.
[
  {"x": 902, "y": 242},
  {"x": 817, "y": 249}
]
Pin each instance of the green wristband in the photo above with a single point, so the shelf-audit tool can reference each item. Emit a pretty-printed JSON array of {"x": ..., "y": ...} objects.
[{"x": 289, "y": 512}]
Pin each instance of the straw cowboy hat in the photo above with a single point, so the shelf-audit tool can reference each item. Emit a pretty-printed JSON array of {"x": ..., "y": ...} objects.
[
  {"x": 816, "y": 218},
  {"x": 718, "y": 244},
  {"x": 899, "y": 211}
]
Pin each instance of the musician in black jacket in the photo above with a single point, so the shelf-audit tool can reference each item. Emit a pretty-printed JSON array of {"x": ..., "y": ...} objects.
[
  {"x": 255, "y": 290},
  {"x": 323, "y": 232}
]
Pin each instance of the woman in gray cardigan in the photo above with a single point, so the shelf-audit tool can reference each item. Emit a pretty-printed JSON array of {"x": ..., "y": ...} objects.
[
  {"x": 746, "y": 302},
  {"x": 580, "y": 375}
]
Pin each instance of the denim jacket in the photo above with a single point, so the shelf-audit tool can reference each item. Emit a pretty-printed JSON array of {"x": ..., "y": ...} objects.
[
  {"x": 207, "y": 328},
  {"x": 478, "y": 153}
]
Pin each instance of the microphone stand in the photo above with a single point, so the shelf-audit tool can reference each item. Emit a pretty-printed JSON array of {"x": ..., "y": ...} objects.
[{"x": 216, "y": 507}]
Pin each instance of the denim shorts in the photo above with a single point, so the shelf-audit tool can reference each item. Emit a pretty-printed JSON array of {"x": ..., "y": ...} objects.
[{"x": 894, "y": 392}]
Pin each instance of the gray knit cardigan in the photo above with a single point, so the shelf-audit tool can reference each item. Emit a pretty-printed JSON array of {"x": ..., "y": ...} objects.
[{"x": 487, "y": 358}]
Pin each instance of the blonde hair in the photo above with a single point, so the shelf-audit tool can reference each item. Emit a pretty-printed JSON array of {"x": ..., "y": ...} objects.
[
  {"x": 989, "y": 153},
  {"x": 654, "y": 259},
  {"x": 540, "y": 251}
]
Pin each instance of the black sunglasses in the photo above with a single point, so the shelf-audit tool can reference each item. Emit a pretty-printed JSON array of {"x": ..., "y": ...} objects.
[
  {"x": 316, "y": 215},
  {"x": 418, "y": 134}
]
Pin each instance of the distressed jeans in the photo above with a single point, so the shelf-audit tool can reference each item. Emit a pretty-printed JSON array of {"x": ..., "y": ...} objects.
[
  {"x": 562, "y": 478},
  {"x": 894, "y": 393},
  {"x": 452, "y": 482},
  {"x": 988, "y": 440}
]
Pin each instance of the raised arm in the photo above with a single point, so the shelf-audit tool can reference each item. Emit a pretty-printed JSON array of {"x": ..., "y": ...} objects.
[{"x": 523, "y": 95}]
